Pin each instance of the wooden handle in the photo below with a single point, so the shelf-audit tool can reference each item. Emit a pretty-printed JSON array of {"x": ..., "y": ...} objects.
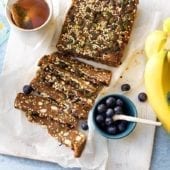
[{"x": 136, "y": 119}]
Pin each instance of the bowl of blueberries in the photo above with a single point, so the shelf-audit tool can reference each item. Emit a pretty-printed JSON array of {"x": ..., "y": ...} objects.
[{"x": 104, "y": 111}]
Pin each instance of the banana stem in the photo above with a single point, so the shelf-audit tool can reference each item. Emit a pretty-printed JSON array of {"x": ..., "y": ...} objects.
[{"x": 136, "y": 119}]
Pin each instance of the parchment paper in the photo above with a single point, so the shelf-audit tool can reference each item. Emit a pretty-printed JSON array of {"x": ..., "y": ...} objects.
[{"x": 20, "y": 138}]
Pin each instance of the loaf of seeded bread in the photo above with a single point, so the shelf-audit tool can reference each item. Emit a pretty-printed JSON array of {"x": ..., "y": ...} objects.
[
  {"x": 98, "y": 30},
  {"x": 62, "y": 92}
]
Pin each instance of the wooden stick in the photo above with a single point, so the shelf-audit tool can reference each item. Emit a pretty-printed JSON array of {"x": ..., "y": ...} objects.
[{"x": 136, "y": 119}]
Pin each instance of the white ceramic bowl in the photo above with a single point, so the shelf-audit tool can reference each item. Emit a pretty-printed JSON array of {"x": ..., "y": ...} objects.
[{"x": 9, "y": 19}]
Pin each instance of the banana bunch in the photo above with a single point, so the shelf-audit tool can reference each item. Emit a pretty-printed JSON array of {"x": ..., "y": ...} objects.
[{"x": 157, "y": 73}]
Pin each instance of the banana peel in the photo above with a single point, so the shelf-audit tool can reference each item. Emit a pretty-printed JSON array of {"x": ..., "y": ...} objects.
[
  {"x": 158, "y": 88},
  {"x": 154, "y": 43},
  {"x": 166, "y": 26},
  {"x": 157, "y": 73}
]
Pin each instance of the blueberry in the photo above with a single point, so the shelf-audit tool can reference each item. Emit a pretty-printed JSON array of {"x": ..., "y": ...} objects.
[
  {"x": 99, "y": 119},
  {"x": 142, "y": 97},
  {"x": 118, "y": 110},
  {"x": 125, "y": 87},
  {"x": 111, "y": 101},
  {"x": 27, "y": 89},
  {"x": 109, "y": 112},
  {"x": 103, "y": 125},
  {"x": 101, "y": 108},
  {"x": 119, "y": 102},
  {"x": 112, "y": 130},
  {"x": 84, "y": 126},
  {"x": 122, "y": 126},
  {"x": 108, "y": 121}
]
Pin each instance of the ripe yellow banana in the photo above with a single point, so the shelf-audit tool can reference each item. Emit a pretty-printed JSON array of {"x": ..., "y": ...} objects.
[
  {"x": 157, "y": 84},
  {"x": 166, "y": 26},
  {"x": 157, "y": 73},
  {"x": 154, "y": 43}
]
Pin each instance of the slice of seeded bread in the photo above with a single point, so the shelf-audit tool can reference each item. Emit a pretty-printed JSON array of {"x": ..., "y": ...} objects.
[
  {"x": 44, "y": 108},
  {"x": 69, "y": 137},
  {"x": 75, "y": 108},
  {"x": 98, "y": 30},
  {"x": 87, "y": 72}
]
